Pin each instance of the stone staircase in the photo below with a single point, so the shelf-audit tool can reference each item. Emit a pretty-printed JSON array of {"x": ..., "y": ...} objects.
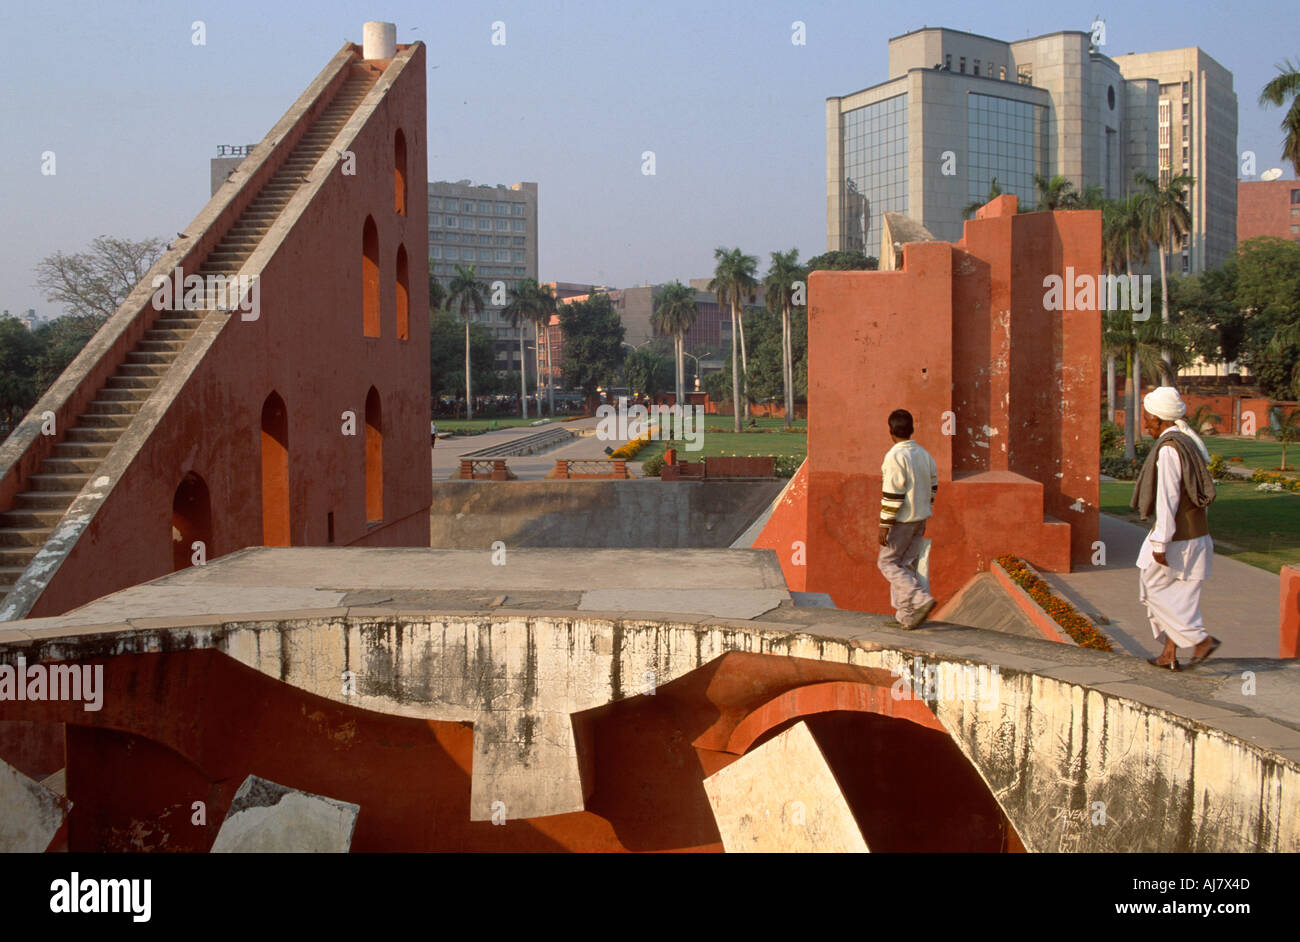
[{"x": 76, "y": 457}]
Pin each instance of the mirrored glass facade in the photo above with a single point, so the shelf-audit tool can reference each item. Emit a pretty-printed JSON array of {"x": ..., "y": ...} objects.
[
  {"x": 875, "y": 170},
  {"x": 1008, "y": 140}
]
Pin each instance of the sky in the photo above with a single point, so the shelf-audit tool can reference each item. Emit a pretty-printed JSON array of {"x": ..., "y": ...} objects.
[{"x": 733, "y": 110}]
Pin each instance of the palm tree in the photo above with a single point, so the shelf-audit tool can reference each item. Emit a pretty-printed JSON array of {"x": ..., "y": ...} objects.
[
  {"x": 1093, "y": 197},
  {"x": 971, "y": 208},
  {"x": 733, "y": 281},
  {"x": 1202, "y": 417},
  {"x": 674, "y": 315},
  {"x": 520, "y": 311},
  {"x": 1286, "y": 84},
  {"x": 1286, "y": 429},
  {"x": 437, "y": 294},
  {"x": 1056, "y": 193},
  {"x": 544, "y": 308},
  {"x": 779, "y": 285},
  {"x": 1125, "y": 239},
  {"x": 1138, "y": 343},
  {"x": 1168, "y": 220},
  {"x": 466, "y": 296}
]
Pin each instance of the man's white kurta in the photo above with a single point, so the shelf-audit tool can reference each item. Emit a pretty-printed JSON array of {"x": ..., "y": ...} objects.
[{"x": 1173, "y": 593}]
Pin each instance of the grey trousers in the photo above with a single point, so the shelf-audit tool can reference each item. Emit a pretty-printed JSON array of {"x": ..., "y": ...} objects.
[{"x": 897, "y": 563}]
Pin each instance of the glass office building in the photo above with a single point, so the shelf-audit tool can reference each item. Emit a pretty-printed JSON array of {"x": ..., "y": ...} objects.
[
  {"x": 1006, "y": 140},
  {"x": 875, "y": 170}
]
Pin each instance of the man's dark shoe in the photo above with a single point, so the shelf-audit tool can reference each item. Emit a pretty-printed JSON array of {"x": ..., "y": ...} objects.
[{"x": 921, "y": 615}]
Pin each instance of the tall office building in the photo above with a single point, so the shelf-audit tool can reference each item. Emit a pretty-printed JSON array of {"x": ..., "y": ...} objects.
[
  {"x": 959, "y": 111},
  {"x": 1197, "y": 120},
  {"x": 493, "y": 228}
]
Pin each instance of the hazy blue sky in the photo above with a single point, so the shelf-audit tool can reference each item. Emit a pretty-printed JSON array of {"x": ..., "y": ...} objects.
[{"x": 733, "y": 111}]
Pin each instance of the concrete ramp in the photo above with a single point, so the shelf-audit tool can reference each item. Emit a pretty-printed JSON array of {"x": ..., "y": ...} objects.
[
  {"x": 632, "y": 514},
  {"x": 984, "y": 603}
]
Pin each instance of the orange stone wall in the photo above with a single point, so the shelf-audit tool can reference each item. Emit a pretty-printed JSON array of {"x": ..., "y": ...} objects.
[
  {"x": 308, "y": 347},
  {"x": 960, "y": 338}
]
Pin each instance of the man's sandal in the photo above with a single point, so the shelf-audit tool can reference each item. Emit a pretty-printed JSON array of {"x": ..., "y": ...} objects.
[
  {"x": 1171, "y": 666},
  {"x": 1214, "y": 646}
]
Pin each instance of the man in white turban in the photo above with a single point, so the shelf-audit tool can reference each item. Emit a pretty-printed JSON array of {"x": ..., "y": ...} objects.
[{"x": 1175, "y": 484}]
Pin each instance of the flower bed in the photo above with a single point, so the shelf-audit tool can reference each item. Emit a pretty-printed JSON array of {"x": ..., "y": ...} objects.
[
  {"x": 1059, "y": 610},
  {"x": 1280, "y": 482}
]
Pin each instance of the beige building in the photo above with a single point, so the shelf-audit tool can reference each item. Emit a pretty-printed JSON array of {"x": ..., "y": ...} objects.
[
  {"x": 493, "y": 228},
  {"x": 1197, "y": 135},
  {"x": 959, "y": 111}
]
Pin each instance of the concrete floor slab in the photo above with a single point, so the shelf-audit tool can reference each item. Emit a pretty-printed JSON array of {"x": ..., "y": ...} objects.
[{"x": 1239, "y": 602}]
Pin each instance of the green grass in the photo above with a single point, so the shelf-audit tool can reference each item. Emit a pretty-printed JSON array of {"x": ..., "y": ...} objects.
[
  {"x": 476, "y": 425},
  {"x": 1260, "y": 454},
  {"x": 715, "y": 444},
  {"x": 1260, "y": 528}
]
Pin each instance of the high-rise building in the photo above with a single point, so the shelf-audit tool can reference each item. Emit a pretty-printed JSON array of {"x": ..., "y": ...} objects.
[
  {"x": 1197, "y": 122},
  {"x": 1268, "y": 208},
  {"x": 960, "y": 111},
  {"x": 493, "y": 228}
]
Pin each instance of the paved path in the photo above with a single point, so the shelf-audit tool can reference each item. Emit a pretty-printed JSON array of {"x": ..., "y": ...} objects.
[
  {"x": 1239, "y": 602},
  {"x": 447, "y": 453}
]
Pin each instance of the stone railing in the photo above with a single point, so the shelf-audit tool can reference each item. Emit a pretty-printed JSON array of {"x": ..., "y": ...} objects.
[
  {"x": 484, "y": 469},
  {"x": 592, "y": 468}
]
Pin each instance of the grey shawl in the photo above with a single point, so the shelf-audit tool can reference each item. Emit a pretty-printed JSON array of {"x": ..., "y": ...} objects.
[{"x": 1196, "y": 475}]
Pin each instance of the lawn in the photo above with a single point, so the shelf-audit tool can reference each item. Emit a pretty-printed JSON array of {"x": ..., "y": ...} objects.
[
  {"x": 1258, "y": 453},
  {"x": 480, "y": 425},
  {"x": 716, "y": 443},
  {"x": 1257, "y": 527}
]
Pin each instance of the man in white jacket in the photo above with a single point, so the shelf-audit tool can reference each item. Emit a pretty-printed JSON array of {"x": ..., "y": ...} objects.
[
  {"x": 1177, "y": 554},
  {"x": 909, "y": 482}
]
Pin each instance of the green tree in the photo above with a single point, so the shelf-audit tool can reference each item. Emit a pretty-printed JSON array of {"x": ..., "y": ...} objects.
[
  {"x": 446, "y": 355},
  {"x": 785, "y": 283},
  {"x": 1168, "y": 221},
  {"x": 20, "y": 353},
  {"x": 545, "y": 307},
  {"x": 648, "y": 373},
  {"x": 675, "y": 314},
  {"x": 1285, "y": 428},
  {"x": 466, "y": 297},
  {"x": 593, "y": 344},
  {"x": 437, "y": 294},
  {"x": 734, "y": 281},
  {"x": 1284, "y": 85},
  {"x": 1268, "y": 294},
  {"x": 843, "y": 260},
  {"x": 971, "y": 208},
  {"x": 1056, "y": 193},
  {"x": 523, "y": 309}
]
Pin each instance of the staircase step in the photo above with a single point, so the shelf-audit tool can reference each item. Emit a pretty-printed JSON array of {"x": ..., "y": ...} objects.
[
  {"x": 151, "y": 357},
  {"x": 20, "y": 556},
  {"x": 86, "y": 466},
  {"x": 45, "y": 500},
  {"x": 91, "y": 420},
  {"x": 99, "y": 436},
  {"x": 120, "y": 406},
  {"x": 97, "y": 450},
  {"x": 31, "y": 519},
  {"x": 20, "y": 537}
]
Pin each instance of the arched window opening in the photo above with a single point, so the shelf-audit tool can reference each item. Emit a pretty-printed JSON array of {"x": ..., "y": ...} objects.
[
  {"x": 275, "y": 472},
  {"x": 403, "y": 295},
  {"x": 191, "y": 521},
  {"x": 399, "y": 173},
  {"x": 374, "y": 458},
  {"x": 370, "y": 278}
]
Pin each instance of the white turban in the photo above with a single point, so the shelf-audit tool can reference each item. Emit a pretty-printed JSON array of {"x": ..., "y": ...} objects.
[{"x": 1165, "y": 403}]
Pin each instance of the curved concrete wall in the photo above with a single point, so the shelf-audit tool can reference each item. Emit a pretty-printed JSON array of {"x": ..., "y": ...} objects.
[{"x": 1082, "y": 750}]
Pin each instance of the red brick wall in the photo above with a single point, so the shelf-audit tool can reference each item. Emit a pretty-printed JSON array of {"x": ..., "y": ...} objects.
[{"x": 1264, "y": 208}]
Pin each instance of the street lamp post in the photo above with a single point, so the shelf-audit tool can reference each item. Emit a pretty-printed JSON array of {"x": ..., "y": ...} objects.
[{"x": 706, "y": 353}]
